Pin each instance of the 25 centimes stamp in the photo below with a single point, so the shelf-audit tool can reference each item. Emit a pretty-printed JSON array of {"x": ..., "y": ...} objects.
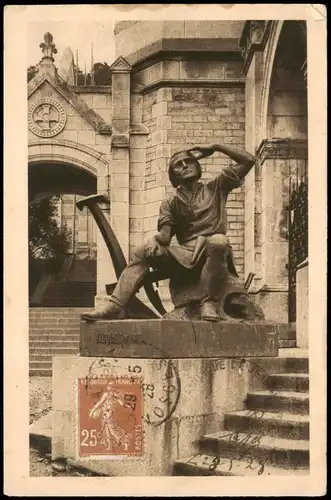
[{"x": 110, "y": 417}]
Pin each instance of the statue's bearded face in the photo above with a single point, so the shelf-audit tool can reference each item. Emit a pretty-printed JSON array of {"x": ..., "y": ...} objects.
[{"x": 186, "y": 168}]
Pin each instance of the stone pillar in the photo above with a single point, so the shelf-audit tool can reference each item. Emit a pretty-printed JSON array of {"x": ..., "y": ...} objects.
[
  {"x": 253, "y": 40},
  {"x": 138, "y": 145},
  {"x": 115, "y": 182},
  {"x": 278, "y": 158},
  {"x": 252, "y": 180},
  {"x": 302, "y": 305},
  {"x": 120, "y": 162}
]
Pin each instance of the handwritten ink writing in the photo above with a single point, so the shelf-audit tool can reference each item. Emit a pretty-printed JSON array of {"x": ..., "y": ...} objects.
[{"x": 245, "y": 440}]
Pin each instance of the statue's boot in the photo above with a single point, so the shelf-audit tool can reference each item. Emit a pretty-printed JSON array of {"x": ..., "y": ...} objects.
[
  {"x": 208, "y": 312},
  {"x": 110, "y": 310}
]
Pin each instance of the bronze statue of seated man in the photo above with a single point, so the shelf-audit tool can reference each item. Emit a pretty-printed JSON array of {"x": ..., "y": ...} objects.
[{"x": 201, "y": 261}]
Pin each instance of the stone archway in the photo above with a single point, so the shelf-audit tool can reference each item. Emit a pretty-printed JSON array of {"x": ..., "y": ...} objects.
[
  {"x": 271, "y": 49},
  {"x": 282, "y": 151},
  {"x": 68, "y": 152},
  {"x": 68, "y": 169}
]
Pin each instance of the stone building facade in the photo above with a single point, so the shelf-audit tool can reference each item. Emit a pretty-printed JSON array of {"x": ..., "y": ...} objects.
[{"x": 176, "y": 84}]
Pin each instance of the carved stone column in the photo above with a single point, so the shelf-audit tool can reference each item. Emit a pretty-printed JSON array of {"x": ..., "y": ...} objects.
[
  {"x": 115, "y": 182},
  {"x": 252, "y": 43},
  {"x": 120, "y": 162},
  {"x": 279, "y": 159}
]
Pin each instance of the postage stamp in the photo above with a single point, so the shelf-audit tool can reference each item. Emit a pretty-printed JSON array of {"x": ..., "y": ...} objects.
[{"x": 110, "y": 417}]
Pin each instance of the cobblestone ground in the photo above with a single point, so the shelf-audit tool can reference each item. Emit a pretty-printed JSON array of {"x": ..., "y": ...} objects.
[
  {"x": 40, "y": 465},
  {"x": 40, "y": 399},
  {"x": 40, "y": 389}
]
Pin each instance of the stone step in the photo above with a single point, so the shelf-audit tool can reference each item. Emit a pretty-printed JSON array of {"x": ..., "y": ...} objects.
[
  {"x": 54, "y": 350},
  {"x": 47, "y": 318},
  {"x": 40, "y": 372},
  {"x": 53, "y": 337},
  {"x": 278, "y": 401},
  {"x": 53, "y": 327},
  {"x": 282, "y": 364},
  {"x": 276, "y": 451},
  {"x": 33, "y": 310},
  {"x": 296, "y": 365},
  {"x": 284, "y": 425},
  {"x": 55, "y": 344},
  {"x": 36, "y": 357},
  {"x": 199, "y": 465},
  {"x": 41, "y": 365},
  {"x": 46, "y": 321},
  {"x": 62, "y": 312},
  {"x": 298, "y": 382}
]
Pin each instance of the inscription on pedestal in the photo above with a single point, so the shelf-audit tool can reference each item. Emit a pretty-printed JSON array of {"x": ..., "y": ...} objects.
[{"x": 177, "y": 339}]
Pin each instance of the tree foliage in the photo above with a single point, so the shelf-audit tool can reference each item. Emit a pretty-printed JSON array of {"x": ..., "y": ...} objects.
[
  {"x": 31, "y": 72},
  {"x": 102, "y": 74},
  {"x": 47, "y": 240}
]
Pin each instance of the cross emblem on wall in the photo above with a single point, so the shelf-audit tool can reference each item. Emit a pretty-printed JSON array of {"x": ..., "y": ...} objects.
[{"x": 46, "y": 116}]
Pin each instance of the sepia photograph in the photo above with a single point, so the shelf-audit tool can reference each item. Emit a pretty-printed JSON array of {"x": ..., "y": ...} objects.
[{"x": 168, "y": 248}]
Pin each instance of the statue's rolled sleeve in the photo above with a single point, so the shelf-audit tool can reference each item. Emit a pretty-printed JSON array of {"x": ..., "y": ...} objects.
[
  {"x": 165, "y": 216},
  {"x": 231, "y": 177}
]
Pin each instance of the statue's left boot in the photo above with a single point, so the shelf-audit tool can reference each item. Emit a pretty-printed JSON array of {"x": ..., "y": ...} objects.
[
  {"x": 208, "y": 311},
  {"x": 110, "y": 310}
]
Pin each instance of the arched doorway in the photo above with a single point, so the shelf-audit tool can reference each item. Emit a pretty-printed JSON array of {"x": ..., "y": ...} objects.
[{"x": 65, "y": 171}]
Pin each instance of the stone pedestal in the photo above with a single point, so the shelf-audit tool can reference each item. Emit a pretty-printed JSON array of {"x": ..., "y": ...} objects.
[{"x": 191, "y": 374}]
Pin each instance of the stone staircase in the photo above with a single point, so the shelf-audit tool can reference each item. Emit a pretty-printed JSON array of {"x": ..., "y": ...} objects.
[
  {"x": 70, "y": 294},
  {"x": 269, "y": 437},
  {"x": 52, "y": 331}
]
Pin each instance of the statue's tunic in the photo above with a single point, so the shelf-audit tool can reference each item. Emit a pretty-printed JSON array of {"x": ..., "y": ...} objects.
[{"x": 203, "y": 215}]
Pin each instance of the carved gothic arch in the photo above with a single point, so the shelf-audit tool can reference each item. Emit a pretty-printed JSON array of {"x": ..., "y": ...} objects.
[
  {"x": 64, "y": 151},
  {"x": 274, "y": 36},
  {"x": 68, "y": 155}
]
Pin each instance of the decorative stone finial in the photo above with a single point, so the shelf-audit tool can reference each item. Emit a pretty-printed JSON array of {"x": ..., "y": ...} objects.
[{"x": 48, "y": 47}]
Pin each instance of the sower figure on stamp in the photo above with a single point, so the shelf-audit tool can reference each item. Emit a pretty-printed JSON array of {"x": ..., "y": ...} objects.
[{"x": 196, "y": 215}]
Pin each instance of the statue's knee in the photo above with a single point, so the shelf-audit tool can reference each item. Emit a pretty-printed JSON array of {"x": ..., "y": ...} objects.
[
  {"x": 148, "y": 246},
  {"x": 218, "y": 242},
  {"x": 142, "y": 251}
]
